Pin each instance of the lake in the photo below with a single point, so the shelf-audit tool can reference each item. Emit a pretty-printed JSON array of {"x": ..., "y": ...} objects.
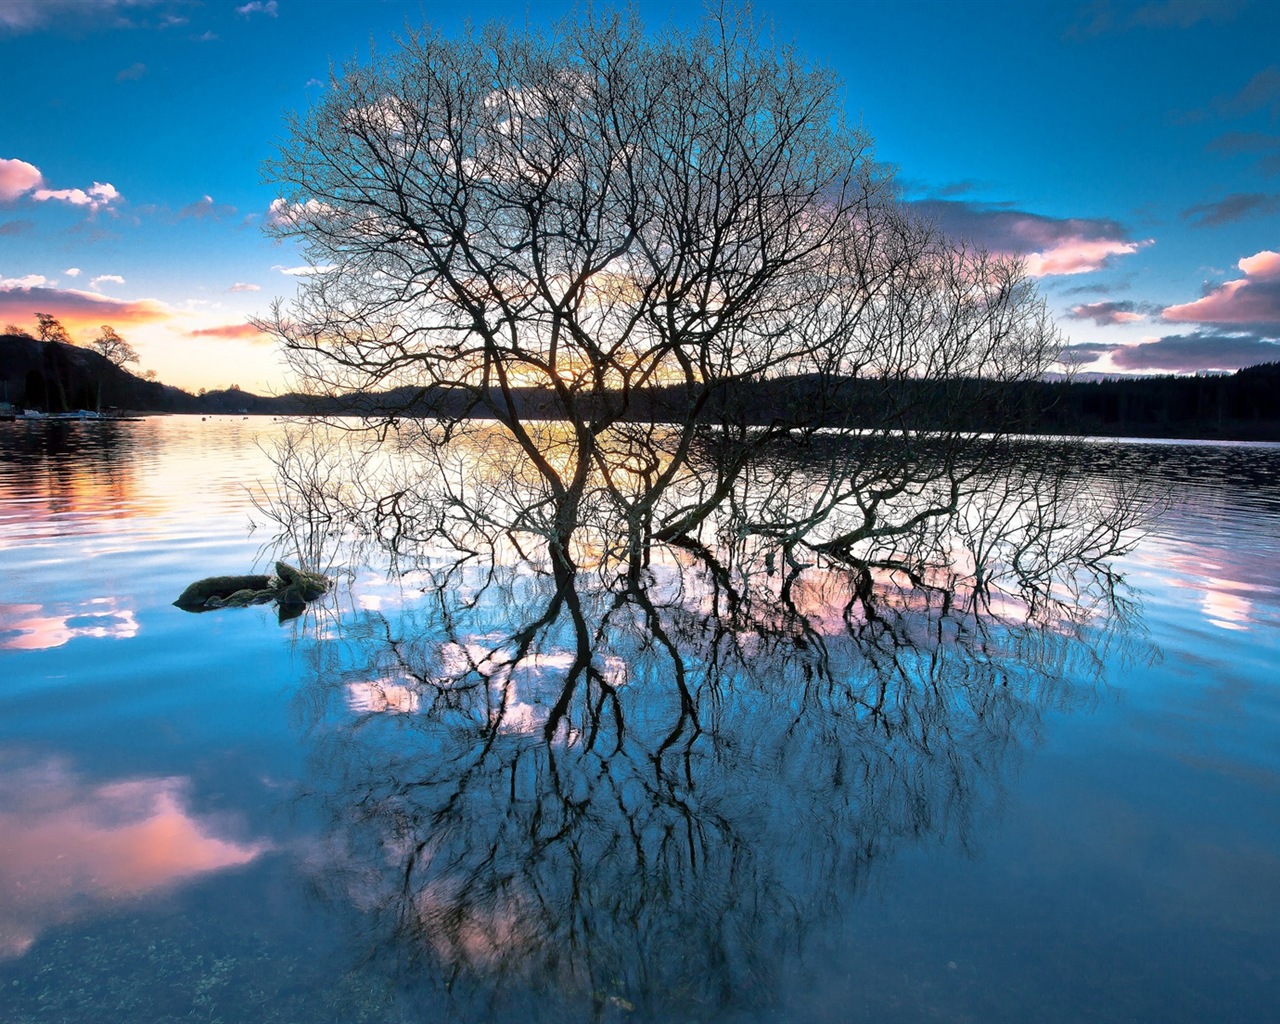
[{"x": 388, "y": 809}]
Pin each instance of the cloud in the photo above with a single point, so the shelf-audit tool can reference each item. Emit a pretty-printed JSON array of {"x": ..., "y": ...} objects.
[
  {"x": 71, "y": 847},
  {"x": 241, "y": 286},
  {"x": 73, "y": 307},
  {"x": 99, "y": 196},
  {"x": 30, "y": 281},
  {"x": 1050, "y": 245},
  {"x": 947, "y": 190},
  {"x": 267, "y": 7},
  {"x": 1085, "y": 352},
  {"x": 1095, "y": 288},
  {"x": 282, "y": 214},
  {"x": 1251, "y": 300},
  {"x": 1103, "y": 17},
  {"x": 1261, "y": 92},
  {"x": 1184, "y": 13},
  {"x": 1230, "y": 209},
  {"x": 15, "y": 227},
  {"x": 1107, "y": 313},
  {"x": 235, "y": 331},
  {"x": 314, "y": 81},
  {"x": 303, "y": 271},
  {"x": 1179, "y": 353},
  {"x": 17, "y": 177},
  {"x": 20, "y": 16},
  {"x": 132, "y": 73},
  {"x": 1190, "y": 353},
  {"x": 205, "y": 208},
  {"x": 1079, "y": 256},
  {"x": 72, "y": 272},
  {"x": 1265, "y": 149},
  {"x": 97, "y": 282}
]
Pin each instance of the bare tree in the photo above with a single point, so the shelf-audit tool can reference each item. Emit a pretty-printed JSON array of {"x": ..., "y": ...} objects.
[
  {"x": 111, "y": 346},
  {"x": 604, "y": 229},
  {"x": 49, "y": 328}
]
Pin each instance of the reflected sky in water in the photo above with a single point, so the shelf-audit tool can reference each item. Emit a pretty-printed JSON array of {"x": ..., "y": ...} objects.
[
  {"x": 70, "y": 848},
  {"x": 393, "y": 808}
]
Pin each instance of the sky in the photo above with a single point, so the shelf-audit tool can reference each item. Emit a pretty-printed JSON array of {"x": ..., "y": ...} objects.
[{"x": 1130, "y": 151}]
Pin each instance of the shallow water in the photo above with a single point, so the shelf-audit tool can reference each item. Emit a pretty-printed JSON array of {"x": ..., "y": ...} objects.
[{"x": 223, "y": 817}]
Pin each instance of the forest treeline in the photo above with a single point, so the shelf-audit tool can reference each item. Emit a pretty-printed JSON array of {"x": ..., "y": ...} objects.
[{"x": 58, "y": 377}]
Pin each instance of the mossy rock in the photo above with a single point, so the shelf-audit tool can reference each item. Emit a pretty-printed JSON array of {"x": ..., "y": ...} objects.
[
  {"x": 298, "y": 584},
  {"x": 244, "y": 598},
  {"x": 290, "y": 588},
  {"x": 218, "y": 589}
]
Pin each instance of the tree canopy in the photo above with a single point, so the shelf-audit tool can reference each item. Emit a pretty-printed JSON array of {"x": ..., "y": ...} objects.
[
  {"x": 111, "y": 346},
  {"x": 49, "y": 328},
  {"x": 599, "y": 211}
]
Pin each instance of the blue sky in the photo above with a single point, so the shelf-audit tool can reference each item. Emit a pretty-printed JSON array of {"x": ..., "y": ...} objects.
[{"x": 1130, "y": 150}]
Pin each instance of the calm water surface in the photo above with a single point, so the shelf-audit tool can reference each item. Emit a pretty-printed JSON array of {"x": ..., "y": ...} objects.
[{"x": 221, "y": 817}]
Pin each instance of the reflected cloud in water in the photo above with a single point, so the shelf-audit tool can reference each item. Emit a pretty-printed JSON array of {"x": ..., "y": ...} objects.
[
  {"x": 34, "y": 627},
  {"x": 1222, "y": 579},
  {"x": 71, "y": 848}
]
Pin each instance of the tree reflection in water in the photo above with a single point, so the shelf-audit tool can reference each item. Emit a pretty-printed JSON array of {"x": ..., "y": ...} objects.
[{"x": 643, "y": 782}]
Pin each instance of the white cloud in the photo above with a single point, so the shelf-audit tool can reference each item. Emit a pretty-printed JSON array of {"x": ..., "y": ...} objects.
[
  {"x": 267, "y": 7},
  {"x": 283, "y": 214},
  {"x": 17, "y": 177},
  {"x": 241, "y": 286},
  {"x": 8, "y": 284},
  {"x": 303, "y": 271},
  {"x": 97, "y": 282},
  {"x": 72, "y": 272},
  {"x": 101, "y": 194}
]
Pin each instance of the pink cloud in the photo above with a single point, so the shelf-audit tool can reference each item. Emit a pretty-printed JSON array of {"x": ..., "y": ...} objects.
[
  {"x": 1252, "y": 299},
  {"x": 17, "y": 177},
  {"x": 1107, "y": 313},
  {"x": 1050, "y": 245},
  {"x": 70, "y": 847},
  {"x": 76, "y": 309},
  {"x": 1262, "y": 265},
  {"x": 1079, "y": 256},
  {"x": 230, "y": 331}
]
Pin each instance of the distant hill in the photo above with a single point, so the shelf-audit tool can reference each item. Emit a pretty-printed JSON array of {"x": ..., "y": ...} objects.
[
  {"x": 54, "y": 377},
  {"x": 1241, "y": 406}
]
